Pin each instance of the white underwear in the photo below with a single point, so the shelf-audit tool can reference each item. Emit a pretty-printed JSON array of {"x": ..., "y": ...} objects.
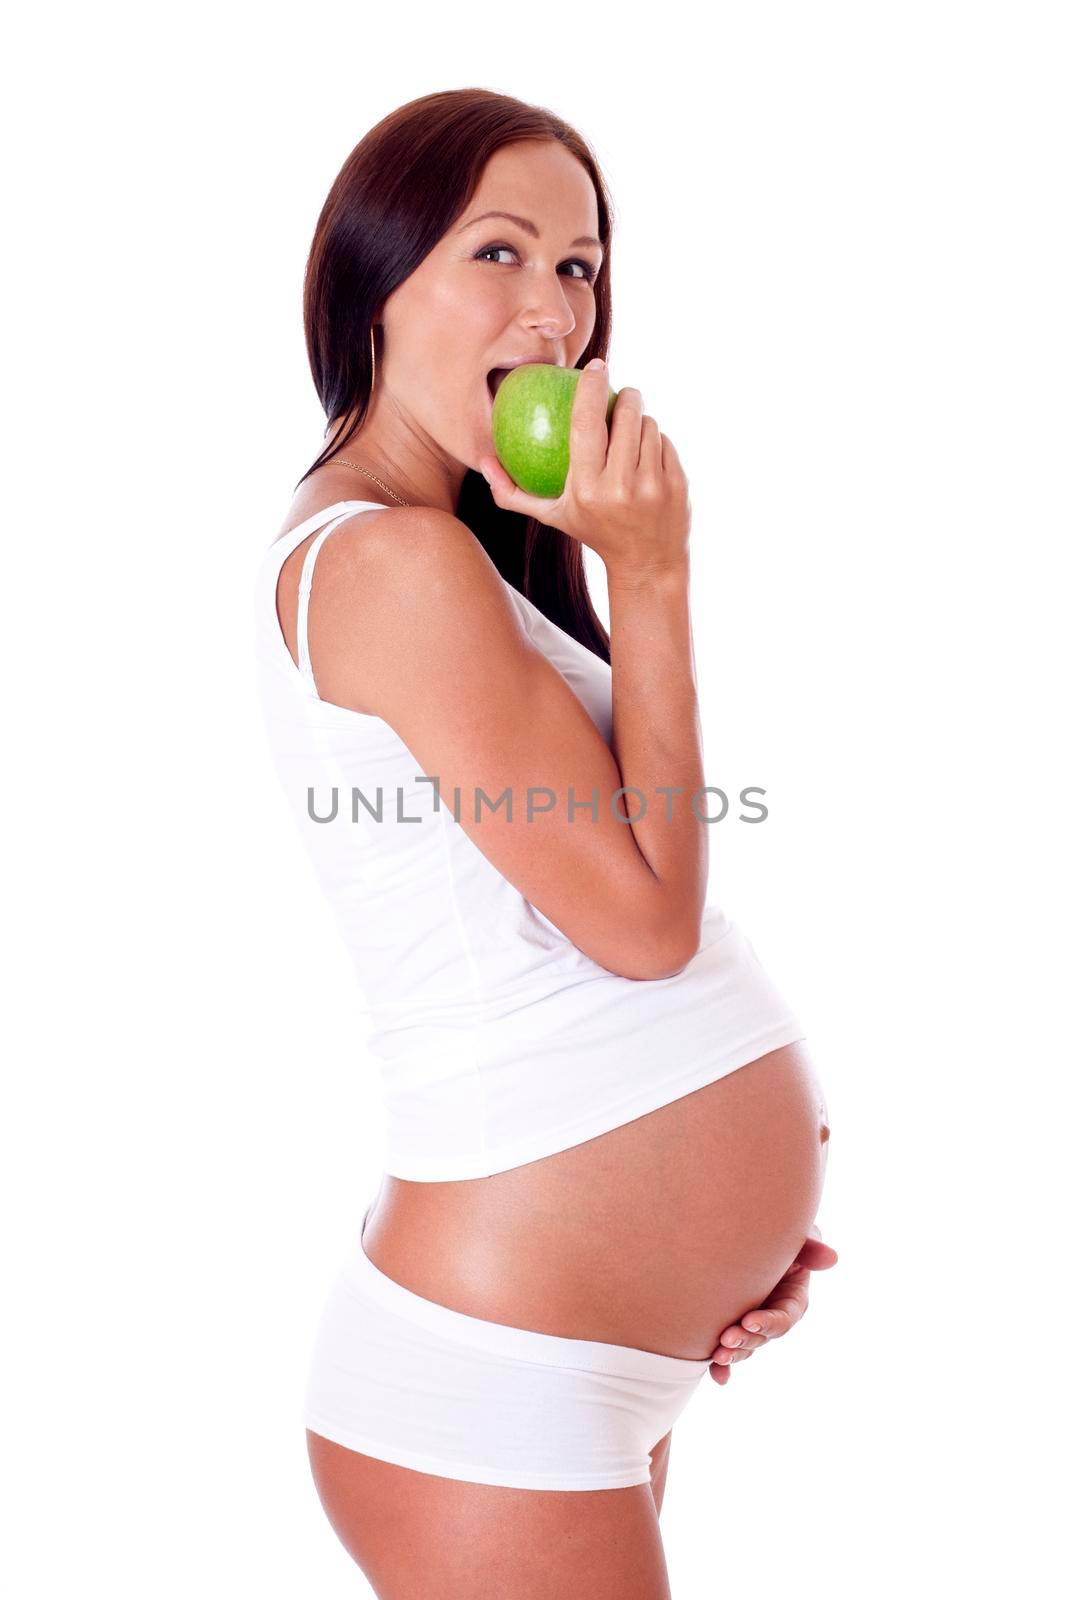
[{"x": 412, "y": 1382}]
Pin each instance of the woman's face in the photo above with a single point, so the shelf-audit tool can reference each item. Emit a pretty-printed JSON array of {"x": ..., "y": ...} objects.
[{"x": 493, "y": 292}]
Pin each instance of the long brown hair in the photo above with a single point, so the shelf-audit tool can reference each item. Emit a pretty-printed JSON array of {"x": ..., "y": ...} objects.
[{"x": 398, "y": 193}]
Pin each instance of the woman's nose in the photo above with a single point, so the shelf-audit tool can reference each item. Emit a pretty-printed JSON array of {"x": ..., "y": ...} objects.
[{"x": 552, "y": 316}]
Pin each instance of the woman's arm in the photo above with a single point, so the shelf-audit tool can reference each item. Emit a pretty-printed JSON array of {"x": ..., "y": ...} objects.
[
  {"x": 656, "y": 729},
  {"x": 410, "y": 621}
]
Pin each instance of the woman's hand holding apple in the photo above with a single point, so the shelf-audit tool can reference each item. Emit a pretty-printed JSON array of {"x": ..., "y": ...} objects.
[{"x": 625, "y": 496}]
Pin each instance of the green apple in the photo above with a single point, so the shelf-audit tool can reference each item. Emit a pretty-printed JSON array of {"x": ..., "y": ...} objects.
[{"x": 532, "y": 426}]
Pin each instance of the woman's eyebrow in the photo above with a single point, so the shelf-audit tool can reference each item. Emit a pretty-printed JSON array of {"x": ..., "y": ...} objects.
[{"x": 524, "y": 222}]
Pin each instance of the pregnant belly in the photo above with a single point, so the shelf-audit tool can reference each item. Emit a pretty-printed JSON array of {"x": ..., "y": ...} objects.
[{"x": 657, "y": 1234}]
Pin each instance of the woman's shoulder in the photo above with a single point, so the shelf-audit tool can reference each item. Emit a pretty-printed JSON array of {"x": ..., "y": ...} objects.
[
  {"x": 383, "y": 573},
  {"x": 315, "y": 495}
]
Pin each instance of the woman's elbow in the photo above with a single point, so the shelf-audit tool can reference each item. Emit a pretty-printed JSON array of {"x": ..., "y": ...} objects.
[{"x": 663, "y": 956}]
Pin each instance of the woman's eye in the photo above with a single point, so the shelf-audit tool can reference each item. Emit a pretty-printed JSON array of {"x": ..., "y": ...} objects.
[
  {"x": 494, "y": 249},
  {"x": 588, "y": 271}
]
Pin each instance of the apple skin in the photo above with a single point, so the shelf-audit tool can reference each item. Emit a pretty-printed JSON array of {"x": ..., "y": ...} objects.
[{"x": 532, "y": 426}]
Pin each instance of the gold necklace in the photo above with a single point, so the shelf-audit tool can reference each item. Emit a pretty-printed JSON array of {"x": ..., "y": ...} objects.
[{"x": 378, "y": 481}]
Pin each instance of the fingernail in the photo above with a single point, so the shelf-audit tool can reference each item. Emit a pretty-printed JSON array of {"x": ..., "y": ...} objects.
[
  {"x": 755, "y": 1327},
  {"x": 594, "y": 365}
]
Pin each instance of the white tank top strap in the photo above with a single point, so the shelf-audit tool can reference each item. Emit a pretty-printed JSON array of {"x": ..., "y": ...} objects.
[{"x": 306, "y": 574}]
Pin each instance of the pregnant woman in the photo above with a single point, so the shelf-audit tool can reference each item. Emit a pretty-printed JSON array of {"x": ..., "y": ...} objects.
[{"x": 605, "y": 1137}]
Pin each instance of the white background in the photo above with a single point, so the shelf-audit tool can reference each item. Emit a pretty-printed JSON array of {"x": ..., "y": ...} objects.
[{"x": 839, "y": 284}]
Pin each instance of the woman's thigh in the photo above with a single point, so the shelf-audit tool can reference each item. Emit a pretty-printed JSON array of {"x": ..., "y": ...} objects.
[{"x": 420, "y": 1537}]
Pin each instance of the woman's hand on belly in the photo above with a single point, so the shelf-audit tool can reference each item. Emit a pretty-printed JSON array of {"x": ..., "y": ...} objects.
[{"x": 782, "y": 1310}]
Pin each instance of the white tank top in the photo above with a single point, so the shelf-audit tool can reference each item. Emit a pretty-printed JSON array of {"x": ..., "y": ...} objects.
[{"x": 499, "y": 1041}]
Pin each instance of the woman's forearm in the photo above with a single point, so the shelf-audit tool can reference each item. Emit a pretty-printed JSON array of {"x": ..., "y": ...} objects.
[{"x": 656, "y": 737}]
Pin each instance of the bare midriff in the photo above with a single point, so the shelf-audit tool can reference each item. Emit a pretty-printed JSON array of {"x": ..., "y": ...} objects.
[{"x": 657, "y": 1234}]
